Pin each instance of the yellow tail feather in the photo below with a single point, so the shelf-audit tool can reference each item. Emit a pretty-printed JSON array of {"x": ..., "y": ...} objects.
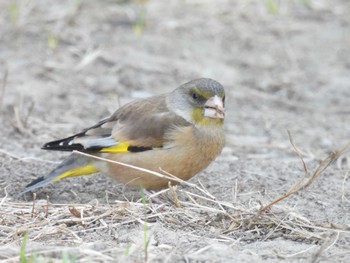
[{"x": 87, "y": 169}]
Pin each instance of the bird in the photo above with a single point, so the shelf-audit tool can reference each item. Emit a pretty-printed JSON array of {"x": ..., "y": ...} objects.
[{"x": 180, "y": 132}]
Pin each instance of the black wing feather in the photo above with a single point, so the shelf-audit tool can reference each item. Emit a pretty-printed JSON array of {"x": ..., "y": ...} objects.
[
  {"x": 66, "y": 145},
  {"x": 63, "y": 144}
]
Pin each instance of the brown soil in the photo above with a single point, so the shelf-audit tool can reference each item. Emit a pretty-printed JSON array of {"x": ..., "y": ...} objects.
[{"x": 64, "y": 65}]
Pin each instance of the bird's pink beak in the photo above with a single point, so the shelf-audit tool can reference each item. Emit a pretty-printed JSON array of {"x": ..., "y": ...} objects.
[{"x": 214, "y": 108}]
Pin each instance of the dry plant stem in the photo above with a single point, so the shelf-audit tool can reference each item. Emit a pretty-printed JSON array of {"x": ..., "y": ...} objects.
[
  {"x": 19, "y": 122},
  {"x": 169, "y": 176},
  {"x": 298, "y": 186},
  {"x": 29, "y": 158},
  {"x": 30, "y": 110},
  {"x": 33, "y": 207},
  {"x": 5, "y": 197},
  {"x": 298, "y": 253},
  {"x": 46, "y": 251},
  {"x": 218, "y": 203},
  {"x": 47, "y": 206},
  {"x": 325, "y": 246},
  {"x": 204, "y": 191},
  {"x": 88, "y": 58},
  {"x": 3, "y": 88},
  {"x": 174, "y": 196},
  {"x": 343, "y": 196},
  {"x": 91, "y": 219},
  {"x": 173, "y": 178},
  {"x": 165, "y": 176}
]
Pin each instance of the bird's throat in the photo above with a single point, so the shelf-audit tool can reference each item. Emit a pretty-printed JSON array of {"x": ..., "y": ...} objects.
[{"x": 199, "y": 119}]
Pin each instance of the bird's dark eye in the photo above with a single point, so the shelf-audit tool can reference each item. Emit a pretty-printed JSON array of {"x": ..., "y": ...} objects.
[{"x": 195, "y": 96}]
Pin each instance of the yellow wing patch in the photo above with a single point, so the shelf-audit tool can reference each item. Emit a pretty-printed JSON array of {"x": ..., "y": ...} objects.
[{"x": 119, "y": 148}]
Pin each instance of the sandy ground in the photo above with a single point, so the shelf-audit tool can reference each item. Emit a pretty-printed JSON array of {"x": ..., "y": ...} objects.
[{"x": 64, "y": 65}]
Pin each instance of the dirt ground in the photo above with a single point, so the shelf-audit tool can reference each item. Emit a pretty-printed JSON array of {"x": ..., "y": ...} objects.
[{"x": 285, "y": 65}]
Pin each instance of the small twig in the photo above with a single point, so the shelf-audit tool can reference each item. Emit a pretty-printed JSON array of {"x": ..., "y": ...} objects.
[
  {"x": 191, "y": 198},
  {"x": 64, "y": 229},
  {"x": 5, "y": 197},
  {"x": 33, "y": 207},
  {"x": 3, "y": 88},
  {"x": 324, "y": 247},
  {"x": 211, "y": 200},
  {"x": 173, "y": 178},
  {"x": 166, "y": 175},
  {"x": 235, "y": 191},
  {"x": 89, "y": 57},
  {"x": 214, "y": 198},
  {"x": 190, "y": 185},
  {"x": 297, "y": 151},
  {"x": 298, "y": 186},
  {"x": 175, "y": 198},
  {"x": 297, "y": 253},
  {"x": 343, "y": 197},
  {"x": 47, "y": 206},
  {"x": 20, "y": 125},
  {"x": 158, "y": 193},
  {"x": 29, "y": 158},
  {"x": 30, "y": 110}
]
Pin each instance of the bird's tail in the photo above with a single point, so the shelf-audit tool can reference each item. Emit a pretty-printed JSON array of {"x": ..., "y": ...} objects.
[{"x": 74, "y": 165}]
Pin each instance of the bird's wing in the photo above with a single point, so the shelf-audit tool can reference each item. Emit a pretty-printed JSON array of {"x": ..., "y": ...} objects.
[{"x": 137, "y": 126}]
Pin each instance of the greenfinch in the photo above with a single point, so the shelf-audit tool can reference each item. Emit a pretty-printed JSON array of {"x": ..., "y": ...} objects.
[{"x": 180, "y": 133}]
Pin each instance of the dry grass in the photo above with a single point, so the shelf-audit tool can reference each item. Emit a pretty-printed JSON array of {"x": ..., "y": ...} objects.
[
  {"x": 64, "y": 232},
  {"x": 306, "y": 180},
  {"x": 3, "y": 88},
  {"x": 192, "y": 207}
]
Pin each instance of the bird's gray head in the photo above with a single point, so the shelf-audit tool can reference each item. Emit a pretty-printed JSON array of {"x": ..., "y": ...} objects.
[{"x": 199, "y": 101}]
